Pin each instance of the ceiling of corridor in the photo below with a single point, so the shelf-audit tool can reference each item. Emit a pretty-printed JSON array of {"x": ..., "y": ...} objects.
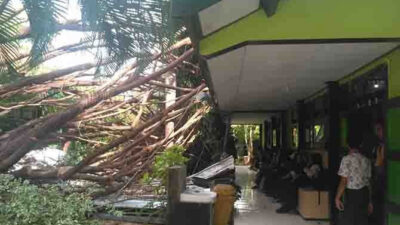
[{"x": 274, "y": 77}]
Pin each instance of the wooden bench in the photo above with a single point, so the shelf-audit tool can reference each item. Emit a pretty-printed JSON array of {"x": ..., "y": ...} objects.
[{"x": 313, "y": 204}]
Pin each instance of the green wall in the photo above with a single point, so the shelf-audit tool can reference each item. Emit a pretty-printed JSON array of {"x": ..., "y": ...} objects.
[
  {"x": 393, "y": 134},
  {"x": 311, "y": 19},
  {"x": 393, "y": 129},
  {"x": 394, "y": 71},
  {"x": 394, "y": 219},
  {"x": 343, "y": 132},
  {"x": 394, "y": 181}
]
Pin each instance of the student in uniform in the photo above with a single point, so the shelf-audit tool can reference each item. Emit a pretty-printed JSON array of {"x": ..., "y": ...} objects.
[
  {"x": 355, "y": 173},
  {"x": 378, "y": 176}
]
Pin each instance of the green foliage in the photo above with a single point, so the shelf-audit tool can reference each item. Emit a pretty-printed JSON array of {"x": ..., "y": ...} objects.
[
  {"x": 24, "y": 204},
  {"x": 43, "y": 17},
  {"x": 146, "y": 178},
  {"x": 239, "y": 160},
  {"x": 8, "y": 30},
  {"x": 241, "y": 132},
  {"x": 245, "y": 135},
  {"x": 129, "y": 29},
  {"x": 76, "y": 152},
  {"x": 17, "y": 117},
  {"x": 7, "y": 77},
  {"x": 172, "y": 156}
]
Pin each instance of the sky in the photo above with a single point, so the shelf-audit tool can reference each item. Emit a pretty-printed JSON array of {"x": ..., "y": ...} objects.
[
  {"x": 66, "y": 37},
  {"x": 63, "y": 38}
]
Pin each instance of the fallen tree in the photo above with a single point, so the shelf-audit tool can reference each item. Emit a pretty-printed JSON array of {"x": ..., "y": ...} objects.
[
  {"x": 89, "y": 112},
  {"x": 113, "y": 115}
]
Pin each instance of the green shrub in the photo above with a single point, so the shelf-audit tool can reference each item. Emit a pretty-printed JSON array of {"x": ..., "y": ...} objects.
[
  {"x": 239, "y": 160},
  {"x": 172, "y": 156},
  {"x": 77, "y": 151},
  {"x": 22, "y": 203}
]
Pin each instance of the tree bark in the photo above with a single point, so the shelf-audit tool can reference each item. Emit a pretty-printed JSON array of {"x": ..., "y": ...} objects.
[
  {"x": 40, "y": 79},
  {"x": 139, "y": 115},
  {"x": 29, "y": 173},
  {"x": 159, "y": 84},
  {"x": 170, "y": 97}
]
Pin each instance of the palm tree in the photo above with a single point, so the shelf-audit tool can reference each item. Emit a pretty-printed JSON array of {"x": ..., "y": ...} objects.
[{"x": 127, "y": 28}]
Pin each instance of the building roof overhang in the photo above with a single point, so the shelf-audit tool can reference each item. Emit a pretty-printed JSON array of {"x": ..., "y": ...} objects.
[{"x": 258, "y": 62}]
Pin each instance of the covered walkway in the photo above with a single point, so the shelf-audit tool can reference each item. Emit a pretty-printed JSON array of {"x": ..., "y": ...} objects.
[
  {"x": 254, "y": 208},
  {"x": 309, "y": 73}
]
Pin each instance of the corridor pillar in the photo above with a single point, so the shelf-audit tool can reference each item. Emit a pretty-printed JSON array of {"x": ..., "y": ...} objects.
[{"x": 333, "y": 143}]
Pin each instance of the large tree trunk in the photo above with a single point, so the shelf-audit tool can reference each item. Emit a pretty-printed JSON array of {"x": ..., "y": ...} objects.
[
  {"x": 251, "y": 147},
  {"x": 170, "y": 97},
  {"x": 29, "y": 173},
  {"x": 21, "y": 145},
  {"x": 40, "y": 79}
]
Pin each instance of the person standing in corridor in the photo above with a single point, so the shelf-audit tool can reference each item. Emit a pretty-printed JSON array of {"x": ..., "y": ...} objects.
[
  {"x": 355, "y": 173},
  {"x": 378, "y": 176}
]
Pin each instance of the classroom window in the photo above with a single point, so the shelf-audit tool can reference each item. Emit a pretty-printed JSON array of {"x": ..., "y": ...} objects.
[
  {"x": 318, "y": 133},
  {"x": 295, "y": 137}
]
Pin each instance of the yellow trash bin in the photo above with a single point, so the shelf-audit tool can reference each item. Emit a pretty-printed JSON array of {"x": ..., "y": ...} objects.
[{"x": 223, "y": 207}]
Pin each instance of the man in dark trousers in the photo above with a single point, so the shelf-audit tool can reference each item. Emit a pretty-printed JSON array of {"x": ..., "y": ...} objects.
[{"x": 355, "y": 173}]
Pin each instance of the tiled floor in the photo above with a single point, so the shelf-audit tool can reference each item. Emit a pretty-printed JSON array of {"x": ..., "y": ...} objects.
[{"x": 254, "y": 208}]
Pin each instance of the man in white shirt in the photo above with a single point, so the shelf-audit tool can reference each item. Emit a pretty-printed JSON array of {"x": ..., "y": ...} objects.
[{"x": 355, "y": 173}]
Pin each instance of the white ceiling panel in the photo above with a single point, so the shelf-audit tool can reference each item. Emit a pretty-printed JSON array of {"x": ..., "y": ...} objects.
[
  {"x": 229, "y": 70},
  {"x": 274, "y": 77},
  {"x": 224, "y": 13}
]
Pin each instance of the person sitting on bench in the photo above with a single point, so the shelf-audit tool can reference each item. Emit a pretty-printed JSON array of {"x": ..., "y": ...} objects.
[
  {"x": 310, "y": 176},
  {"x": 268, "y": 164}
]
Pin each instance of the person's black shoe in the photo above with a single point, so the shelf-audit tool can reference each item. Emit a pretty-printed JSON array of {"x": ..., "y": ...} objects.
[
  {"x": 254, "y": 187},
  {"x": 284, "y": 209}
]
